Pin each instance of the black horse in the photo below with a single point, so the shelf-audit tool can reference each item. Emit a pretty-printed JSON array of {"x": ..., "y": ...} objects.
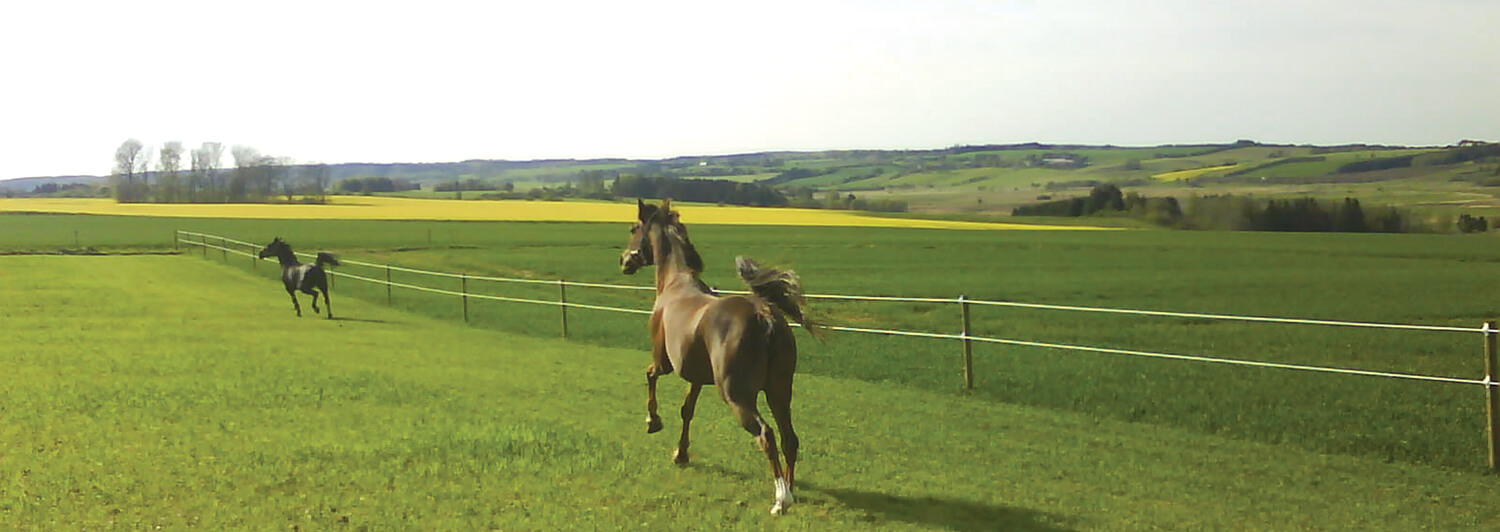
[{"x": 309, "y": 278}]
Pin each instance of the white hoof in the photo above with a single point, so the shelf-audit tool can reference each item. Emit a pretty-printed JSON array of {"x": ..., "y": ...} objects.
[{"x": 784, "y": 497}]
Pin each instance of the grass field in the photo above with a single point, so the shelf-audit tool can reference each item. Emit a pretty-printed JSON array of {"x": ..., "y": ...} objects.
[
  {"x": 1425, "y": 279},
  {"x": 174, "y": 393}
]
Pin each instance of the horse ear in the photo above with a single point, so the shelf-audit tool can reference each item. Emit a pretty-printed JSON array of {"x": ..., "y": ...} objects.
[
  {"x": 640, "y": 206},
  {"x": 666, "y": 205}
]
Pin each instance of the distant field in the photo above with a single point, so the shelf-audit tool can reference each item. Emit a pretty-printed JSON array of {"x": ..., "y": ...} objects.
[
  {"x": 175, "y": 393},
  {"x": 388, "y": 208}
]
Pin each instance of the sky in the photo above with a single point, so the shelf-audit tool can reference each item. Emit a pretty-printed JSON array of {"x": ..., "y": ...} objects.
[{"x": 437, "y": 81}]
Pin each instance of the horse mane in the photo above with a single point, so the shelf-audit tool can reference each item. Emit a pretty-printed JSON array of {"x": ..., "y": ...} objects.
[{"x": 676, "y": 236}]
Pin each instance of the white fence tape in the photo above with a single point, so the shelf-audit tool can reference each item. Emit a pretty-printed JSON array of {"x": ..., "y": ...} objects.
[{"x": 204, "y": 242}]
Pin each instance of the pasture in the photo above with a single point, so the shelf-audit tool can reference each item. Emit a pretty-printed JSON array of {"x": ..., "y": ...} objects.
[
  {"x": 174, "y": 392},
  {"x": 1421, "y": 279}
]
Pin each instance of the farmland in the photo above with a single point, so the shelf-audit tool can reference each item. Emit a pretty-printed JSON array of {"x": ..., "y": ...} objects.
[
  {"x": 175, "y": 392},
  {"x": 979, "y": 181},
  {"x": 390, "y": 208},
  {"x": 1426, "y": 279}
]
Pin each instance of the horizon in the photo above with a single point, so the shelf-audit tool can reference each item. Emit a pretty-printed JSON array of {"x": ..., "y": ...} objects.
[
  {"x": 1060, "y": 145},
  {"x": 452, "y": 81}
]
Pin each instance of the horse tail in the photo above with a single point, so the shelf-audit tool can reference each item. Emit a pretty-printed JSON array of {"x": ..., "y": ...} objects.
[
  {"x": 781, "y": 289},
  {"x": 326, "y": 258}
]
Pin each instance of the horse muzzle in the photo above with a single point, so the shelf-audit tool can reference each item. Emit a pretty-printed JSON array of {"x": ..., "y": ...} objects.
[{"x": 631, "y": 261}]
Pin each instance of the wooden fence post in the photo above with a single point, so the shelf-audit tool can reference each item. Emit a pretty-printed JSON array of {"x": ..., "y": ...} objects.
[
  {"x": 388, "y": 285},
  {"x": 204, "y": 240},
  {"x": 224, "y": 248},
  {"x": 562, "y": 297},
  {"x": 174, "y": 241},
  {"x": 1492, "y": 401},
  {"x": 463, "y": 288},
  {"x": 963, "y": 304}
]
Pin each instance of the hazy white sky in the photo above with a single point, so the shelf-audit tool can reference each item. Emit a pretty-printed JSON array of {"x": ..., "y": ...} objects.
[{"x": 434, "y": 80}]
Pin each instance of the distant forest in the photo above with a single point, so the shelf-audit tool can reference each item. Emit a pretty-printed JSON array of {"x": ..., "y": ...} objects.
[{"x": 1244, "y": 213}]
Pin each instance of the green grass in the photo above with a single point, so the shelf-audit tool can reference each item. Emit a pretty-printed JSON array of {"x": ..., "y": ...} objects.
[
  {"x": 1425, "y": 279},
  {"x": 174, "y": 393}
]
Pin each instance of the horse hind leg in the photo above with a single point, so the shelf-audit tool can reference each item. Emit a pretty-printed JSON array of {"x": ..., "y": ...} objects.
[
  {"x": 314, "y": 293},
  {"x": 753, "y": 423},
  {"x": 780, "y": 401},
  {"x": 689, "y": 404}
]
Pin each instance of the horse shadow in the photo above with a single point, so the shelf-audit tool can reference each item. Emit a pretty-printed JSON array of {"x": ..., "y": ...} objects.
[{"x": 952, "y": 514}]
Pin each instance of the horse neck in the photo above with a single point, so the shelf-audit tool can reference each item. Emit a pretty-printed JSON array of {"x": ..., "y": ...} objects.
[
  {"x": 672, "y": 271},
  {"x": 287, "y": 258}
]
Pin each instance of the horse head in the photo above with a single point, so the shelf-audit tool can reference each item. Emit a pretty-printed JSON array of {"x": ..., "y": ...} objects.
[
  {"x": 673, "y": 239},
  {"x": 274, "y": 249},
  {"x": 638, "y": 251}
]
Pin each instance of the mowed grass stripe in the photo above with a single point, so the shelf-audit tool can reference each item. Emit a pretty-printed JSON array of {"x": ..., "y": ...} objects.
[{"x": 174, "y": 392}]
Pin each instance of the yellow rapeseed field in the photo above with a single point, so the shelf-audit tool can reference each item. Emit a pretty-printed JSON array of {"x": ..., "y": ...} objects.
[
  {"x": 385, "y": 208},
  {"x": 1189, "y": 174}
]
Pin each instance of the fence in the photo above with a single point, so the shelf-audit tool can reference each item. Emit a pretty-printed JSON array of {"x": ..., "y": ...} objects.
[{"x": 1489, "y": 331}]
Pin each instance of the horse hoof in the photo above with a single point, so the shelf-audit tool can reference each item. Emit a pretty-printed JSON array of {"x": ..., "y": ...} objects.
[
  {"x": 784, "y": 498},
  {"x": 679, "y": 457},
  {"x": 653, "y": 424}
]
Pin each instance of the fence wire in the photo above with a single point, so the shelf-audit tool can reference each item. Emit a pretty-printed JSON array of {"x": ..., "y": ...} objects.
[{"x": 1487, "y": 381}]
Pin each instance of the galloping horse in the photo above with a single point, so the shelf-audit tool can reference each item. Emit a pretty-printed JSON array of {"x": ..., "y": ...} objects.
[
  {"x": 309, "y": 278},
  {"x": 741, "y": 344}
]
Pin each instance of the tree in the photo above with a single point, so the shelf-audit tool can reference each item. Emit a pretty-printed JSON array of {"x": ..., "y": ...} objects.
[
  {"x": 206, "y": 161},
  {"x": 1351, "y": 217},
  {"x": 1104, "y": 197},
  {"x": 315, "y": 179},
  {"x": 1470, "y": 224},
  {"x": 126, "y": 159},
  {"x": 168, "y": 168}
]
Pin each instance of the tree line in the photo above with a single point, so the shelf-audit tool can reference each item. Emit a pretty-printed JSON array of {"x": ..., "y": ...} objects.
[
  {"x": 701, "y": 190},
  {"x": 141, "y": 174},
  {"x": 1244, "y": 213}
]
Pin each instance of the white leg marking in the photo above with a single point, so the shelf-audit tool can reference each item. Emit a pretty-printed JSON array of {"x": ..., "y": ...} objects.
[{"x": 783, "y": 497}]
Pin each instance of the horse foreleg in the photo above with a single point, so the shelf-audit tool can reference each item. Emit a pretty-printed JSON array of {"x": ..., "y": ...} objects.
[
  {"x": 295, "y": 305},
  {"x": 688, "y": 405},
  {"x": 766, "y": 438},
  {"x": 653, "y": 421},
  {"x": 326, "y": 304}
]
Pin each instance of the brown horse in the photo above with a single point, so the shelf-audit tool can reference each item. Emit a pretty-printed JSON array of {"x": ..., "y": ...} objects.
[{"x": 741, "y": 344}]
